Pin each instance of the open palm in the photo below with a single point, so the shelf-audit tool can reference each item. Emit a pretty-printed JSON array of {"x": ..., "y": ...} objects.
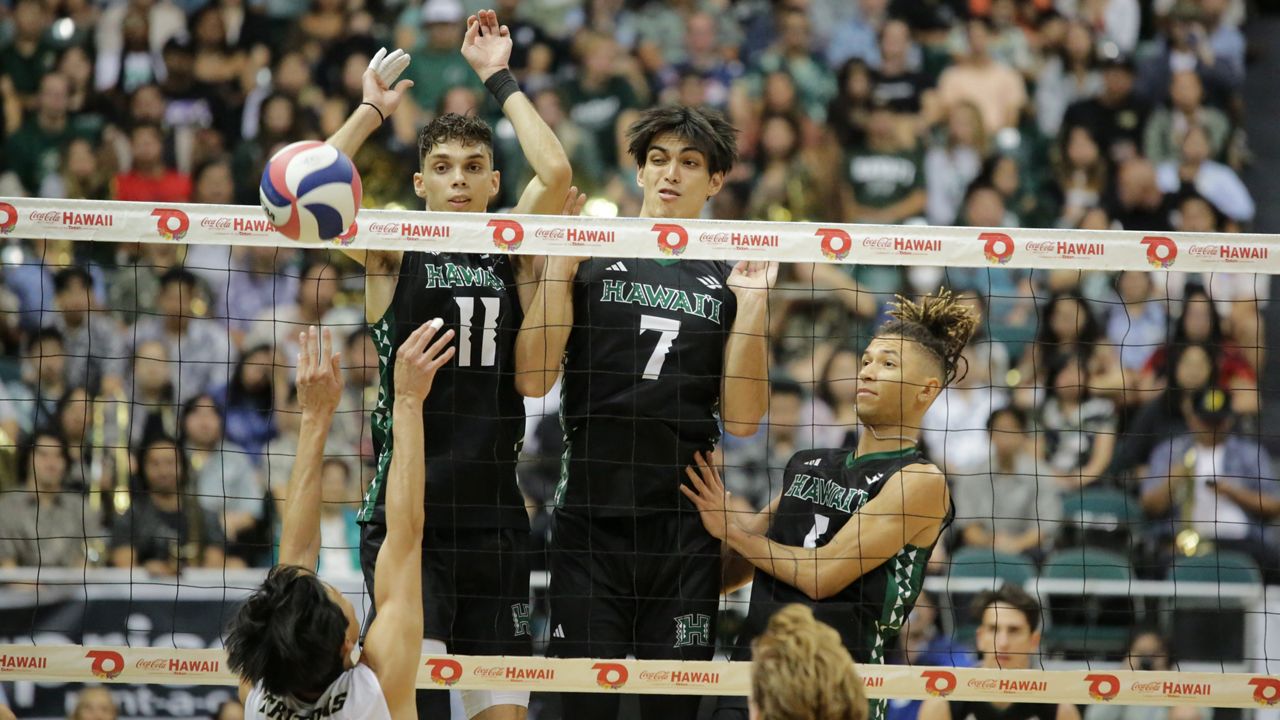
[
  {"x": 379, "y": 84},
  {"x": 487, "y": 45}
]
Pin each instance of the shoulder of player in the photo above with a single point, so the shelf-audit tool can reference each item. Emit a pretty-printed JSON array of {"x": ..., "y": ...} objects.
[
  {"x": 817, "y": 458},
  {"x": 922, "y": 475}
]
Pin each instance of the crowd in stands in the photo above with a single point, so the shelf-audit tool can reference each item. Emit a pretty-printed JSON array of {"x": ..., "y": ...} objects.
[{"x": 139, "y": 374}]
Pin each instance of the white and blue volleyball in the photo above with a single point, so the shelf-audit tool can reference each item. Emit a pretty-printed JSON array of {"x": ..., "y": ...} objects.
[{"x": 311, "y": 191}]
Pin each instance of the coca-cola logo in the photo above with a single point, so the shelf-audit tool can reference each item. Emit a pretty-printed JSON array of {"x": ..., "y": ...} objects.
[
  {"x": 1146, "y": 687},
  {"x": 107, "y": 664},
  {"x": 159, "y": 664},
  {"x": 507, "y": 234},
  {"x": 979, "y": 684},
  {"x": 877, "y": 243},
  {"x": 219, "y": 223},
  {"x": 715, "y": 238},
  {"x": 47, "y": 216},
  {"x": 1041, "y": 246},
  {"x": 8, "y": 218},
  {"x": 836, "y": 243},
  {"x": 388, "y": 228},
  {"x": 1103, "y": 686},
  {"x": 998, "y": 247},
  {"x": 1203, "y": 251},
  {"x": 672, "y": 239},
  {"x": 444, "y": 671},
  {"x": 1266, "y": 690},
  {"x": 655, "y": 675},
  {"x": 171, "y": 224},
  {"x": 488, "y": 672},
  {"x": 551, "y": 233},
  {"x": 610, "y": 675},
  {"x": 1161, "y": 251},
  {"x": 939, "y": 683}
]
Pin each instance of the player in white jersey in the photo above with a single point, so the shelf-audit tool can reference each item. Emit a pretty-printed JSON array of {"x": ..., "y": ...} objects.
[{"x": 292, "y": 642}]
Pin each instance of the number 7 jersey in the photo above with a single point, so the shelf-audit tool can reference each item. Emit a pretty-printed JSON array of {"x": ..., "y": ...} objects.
[
  {"x": 641, "y": 392},
  {"x": 473, "y": 418}
]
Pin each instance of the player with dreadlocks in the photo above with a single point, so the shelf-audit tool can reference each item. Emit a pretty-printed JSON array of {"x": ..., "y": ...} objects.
[{"x": 851, "y": 532}]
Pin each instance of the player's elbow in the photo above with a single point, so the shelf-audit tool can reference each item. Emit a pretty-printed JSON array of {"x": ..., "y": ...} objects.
[
  {"x": 558, "y": 174},
  {"x": 739, "y": 428},
  {"x": 532, "y": 384}
]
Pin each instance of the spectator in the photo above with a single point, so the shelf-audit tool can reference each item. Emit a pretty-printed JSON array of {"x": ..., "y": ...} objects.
[
  {"x": 1116, "y": 117},
  {"x": 1195, "y": 367},
  {"x": 28, "y": 55},
  {"x": 1081, "y": 174},
  {"x": 950, "y": 167},
  {"x": 313, "y": 305},
  {"x": 75, "y": 424},
  {"x": 1004, "y": 173},
  {"x": 856, "y": 39},
  {"x": 1185, "y": 48},
  {"x": 258, "y": 279},
  {"x": 150, "y": 179},
  {"x": 579, "y": 145},
  {"x": 165, "y": 529},
  {"x": 1136, "y": 202},
  {"x": 226, "y": 480},
  {"x": 599, "y": 96},
  {"x": 898, "y": 85},
  {"x": 1210, "y": 484},
  {"x": 134, "y": 284},
  {"x": 886, "y": 175},
  {"x": 45, "y": 523},
  {"x": 705, "y": 59},
  {"x": 94, "y": 341},
  {"x": 847, "y": 113},
  {"x": 32, "y": 402},
  {"x": 837, "y": 389},
  {"x": 1168, "y": 125},
  {"x": 1226, "y": 42},
  {"x": 1066, "y": 77},
  {"x": 339, "y": 532},
  {"x": 1147, "y": 651},
  {"x": 1067, "y": 326},
  {"x": 784, "y": 190},
  {"x": 199, "y": 354},
  {"x": 246, "y": 401},
  {"x": 791, "y": 54},
  {"x": 32, "y": 152},
  {"x": 351, "y": 427},
  {"x": 129, "y": 34},
  {"x": 94, "y": 703},
  {"x": 82, "y": 174},
  {"x": 1217, "y": 183},
  {"x": 152, "y": 401},
  {"x": 794, "y": 423},
  {"x": 437, "y": 65},
  {"x": 1079, "y": 429},
  {"x": 997, "y": 90},
  {"x": 955, "y": 426},
  {"x": 1118, "y": 21},
  {"x": 1008, "y": 503},
  {"x": 1137, "y": 323}
]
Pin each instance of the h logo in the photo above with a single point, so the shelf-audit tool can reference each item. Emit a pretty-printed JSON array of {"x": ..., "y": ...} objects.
[
  {"x": 693, "y": 629},
  {"x": 520, "y": 619}
]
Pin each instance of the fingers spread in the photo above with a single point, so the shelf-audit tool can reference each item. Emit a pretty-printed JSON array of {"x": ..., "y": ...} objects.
[{"x": 377, "y": 58}]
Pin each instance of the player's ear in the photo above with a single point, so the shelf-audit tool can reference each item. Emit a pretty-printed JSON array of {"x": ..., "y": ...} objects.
[
  {"x": 715, "y": 185},
  {"x": 640, "y": 176},
  {"x": 929, "y": 389},
  {"x": 496, "y": 183},
  {"x": 419, "y": 187}
]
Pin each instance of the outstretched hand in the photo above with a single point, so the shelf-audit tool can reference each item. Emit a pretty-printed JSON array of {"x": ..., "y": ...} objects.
[
  {"x": 487, "y": 45},
  {"x": 706, "y": 492},
  {"x": 319, "y": 373},
  {"x": 753, "y": 276},
  {"x": 419, "y": 358},
  {"x": 379, "y": 81}
]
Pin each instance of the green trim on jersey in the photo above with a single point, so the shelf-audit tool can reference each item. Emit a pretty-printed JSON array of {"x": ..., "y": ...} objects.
[
  {"x": 383, "y": 336},
  {"x": 852, "y": 460},
  {"x": 666, "y": 261},
  {"x": 906, "y": 579},
  {"x": 563, "y": 483}
]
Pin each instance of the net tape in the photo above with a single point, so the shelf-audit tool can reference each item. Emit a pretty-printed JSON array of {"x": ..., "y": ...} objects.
[
  {"x": 99, "y": 221},
  {"x": 462, "y": 672}
]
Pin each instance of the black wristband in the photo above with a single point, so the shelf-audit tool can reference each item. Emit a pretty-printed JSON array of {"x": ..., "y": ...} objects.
[
  {"x": 381, "y": 117},
  {"x": 502, "y": 85}
]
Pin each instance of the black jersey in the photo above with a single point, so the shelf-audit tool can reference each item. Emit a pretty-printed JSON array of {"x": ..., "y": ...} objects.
[
  {"x": 982, "y": 710},
  {"x": 642, "y": 373},
  {"x": 822, "y": 490},
  {"x": 473, "y": 418}
]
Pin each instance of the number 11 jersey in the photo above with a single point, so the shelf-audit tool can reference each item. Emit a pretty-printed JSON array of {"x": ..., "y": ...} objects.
[
  {"x": 473, "y": 418},
  {"x": 642, "y": 380}
]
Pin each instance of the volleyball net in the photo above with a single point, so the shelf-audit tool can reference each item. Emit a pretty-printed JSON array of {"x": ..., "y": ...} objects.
[{"x": 1077, "y": 446}]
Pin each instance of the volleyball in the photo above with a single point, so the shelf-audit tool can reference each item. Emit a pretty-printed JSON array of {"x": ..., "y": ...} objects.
[{"x": 310, "y": 191}]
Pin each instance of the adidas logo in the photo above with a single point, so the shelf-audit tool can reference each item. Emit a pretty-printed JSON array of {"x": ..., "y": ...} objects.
[
  {"x": 875, "y": 478},
  {"x": 616, "y": 267},
  {"x": 559, "y": 631},
  {"x": 711, "y": 282},
  {"x": 815, "y": 461}
]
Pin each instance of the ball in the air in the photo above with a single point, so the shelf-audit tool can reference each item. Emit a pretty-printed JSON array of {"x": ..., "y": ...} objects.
[{"x": 311, "y": 191}]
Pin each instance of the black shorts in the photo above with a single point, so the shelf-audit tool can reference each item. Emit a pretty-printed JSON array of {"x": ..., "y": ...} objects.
[
  {"x": 648, "y": 585},
  {"x": 475, "y": 587}
]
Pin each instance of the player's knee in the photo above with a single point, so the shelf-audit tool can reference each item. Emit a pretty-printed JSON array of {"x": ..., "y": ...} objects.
[{"x": 495, "y": 704}]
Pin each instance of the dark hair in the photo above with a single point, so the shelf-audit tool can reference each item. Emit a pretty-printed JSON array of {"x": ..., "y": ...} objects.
[
  {"x": 27, "y": 450},
  {"x": 44, "y": 333},
  {"x": 707, "y": 130},
  {"x": 938, "y": 323},
  {"x": 189, "y": 407},
  {"x": 1191, "y": 194},
  {"x": 205, "y": 166},
  {"x": 791, "y": 122},
  {"x": 822, "y": 389},
  {"x": 784, "y": 385},
  {"x": 1089, "y": 334},
  {"x": 1145, "y": 630},
  {"x": 239, "y": 395},
  {"x": 465, "y": 129},
  {"x": 1061, "y": 361},
  {"x": 146, "y": 446},
  {"x": 1008, "y": 594},
  {"x": 65, "y": 400},
  {"x": 62, "y": 279},
  {"x": 1215, "y": 323},
  {"x": 361, "y": 332},
  {"x": 288, "y": 635},
  {"x": 1012, "y": 411},
  {"x": 179, "y": 275},
  {"x": 1175, "y": 355}
]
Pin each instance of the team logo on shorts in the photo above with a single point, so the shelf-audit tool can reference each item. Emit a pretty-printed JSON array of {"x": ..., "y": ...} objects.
[
  {"x": 507, "y": 234},
  {"x": 1161, "y": 251},
  {"x": 107, "y": 664},
  {"x": 836, "y": 243},
  {"x": 520, "y": 619},
  {"x": 1103, "y": 686},
  {"x": 171, "y": 224},
  {"x": 998, "y": 248},
  {"x": 672, "y": 239},
  {"x": 693, "y": 629},
  {"x": 8, "y": 218}
]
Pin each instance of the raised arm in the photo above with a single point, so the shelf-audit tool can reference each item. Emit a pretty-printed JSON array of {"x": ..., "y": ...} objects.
[
  {"x": 909, "y": 510},
  {"x": 319, "y": 378},
  {"x": 382, "y": 95},
  {"x": 745, "y": 389},
  {"x": 487, "y": 47},
  {"x": 393, "y": 644}
]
